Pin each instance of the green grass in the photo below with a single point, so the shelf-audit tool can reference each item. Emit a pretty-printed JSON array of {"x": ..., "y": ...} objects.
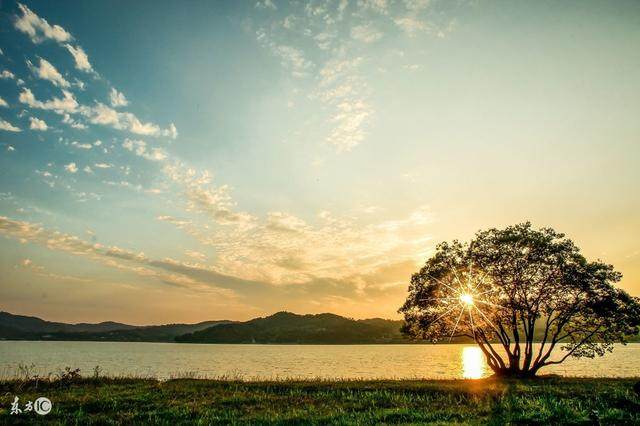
[{"x": 188, "y": 401}]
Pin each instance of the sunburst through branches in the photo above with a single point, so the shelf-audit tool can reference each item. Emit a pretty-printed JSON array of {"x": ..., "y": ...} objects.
[{"x": 464, "y": 303}]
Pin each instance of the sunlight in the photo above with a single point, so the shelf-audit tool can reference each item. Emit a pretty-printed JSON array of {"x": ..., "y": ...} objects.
[
  {"x": 466, "y": 299},
  {"x": 472, "y": 362}
]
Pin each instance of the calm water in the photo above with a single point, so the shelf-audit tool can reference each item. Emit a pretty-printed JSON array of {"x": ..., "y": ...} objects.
[{"x": 164, "y": 360}]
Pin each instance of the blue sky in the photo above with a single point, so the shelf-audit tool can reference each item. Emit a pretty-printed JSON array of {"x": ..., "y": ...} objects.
[{"x": 164, "y": 162}]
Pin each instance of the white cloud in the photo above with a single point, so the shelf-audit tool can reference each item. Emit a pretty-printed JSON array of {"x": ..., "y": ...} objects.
[
  {"x": 196, "y": 255},
  {"x": 171, "y": 131},
  {"x": 284, "y": 222},
  {"x": 102, "y": 166},
  {"x": 48, "y": 72},
  {"x": 290, "y": 57},
  {"x": 340, "y": 84},
  {"x": 38, "y": 29},
  {"x": 324, "y": 40},
  {"x": 60, "y": 106},
  {"x": 81, "y": 145},
  {"x": 7, "y": 75},
  {"x": 37, "y": 124},
  {"x": 411, "y": 25},
  {"x": 285, "y": 249},
  {"x": 202, "y": 197},
  {"x": 365, "y": 33},
  {"x": 378, "y": 6},
  {"x": 71, "y": 167},
  {"x": 3, "y": 103},
  {"x": 117, "y": 98},
  {"x": 166, "y": 270},
  {"x": 350, "y": 119},
  {"x": 107, "y": 116},
  {"x": 81, "y": 58},
  {"x": 5, "y": 125},
  {"x": 266, "y": 4},
  {"x": 417, "y": 5},
  {"x": 10, "y": 148},
  {"x": 294, "y": 59},
  {"x": 140, "y": 149},
  {"x": 341, "y": 87},
  {"x": 73, "y": 123},
  {"x": 87, "y": 170}
]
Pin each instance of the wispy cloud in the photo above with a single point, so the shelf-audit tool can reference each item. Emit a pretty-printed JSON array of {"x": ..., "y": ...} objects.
[
  {"x": 139, "y": 147},
  {"x": 283, "y": 248},
  {"x": 48, "y": 72},
  {"x": 366, "y": 33},
  {"x": 342, "y": 35},
  {"x": 28, "y": 264},
  {"x": 7, "y": 75},
  {"x": 38, "y": 29},
  {"x": 117, "y": 98},
  {"x": 5, "y": 125},
  {"x": 37, "y": 124},
  {"x": 167, "y": 271},
  {"x": 80, "y": 57},
  {"x": 66, "y": 104},
  {"x": 107, "y": 116},
  {"x": 71, "y": 167}
]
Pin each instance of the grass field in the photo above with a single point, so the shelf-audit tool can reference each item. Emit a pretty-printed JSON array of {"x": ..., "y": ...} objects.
[{"x": 188, "y": 401}]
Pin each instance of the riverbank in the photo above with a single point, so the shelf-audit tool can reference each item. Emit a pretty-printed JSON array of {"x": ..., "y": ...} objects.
[{"x": 123, "y": 400}]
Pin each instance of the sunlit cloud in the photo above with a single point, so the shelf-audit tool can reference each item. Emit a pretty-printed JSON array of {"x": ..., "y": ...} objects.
[
  {"x": 80, "y": 57},
  {"x": 366, "y": 33},
  {"x": 117, "y": 98},
  {"x": 7, "y": 75},
  {"x": 48, "y": 72},
  {"x": 38, "y": 29},
  {"x": 71, "y": 167},
  {"x": 37, "y": 124},
  {"x": 167, "y": 271},
  {"x": 5, "y": 125},
  {"x": 139, "y": 147},
  {"x": 66, "y": 104}
]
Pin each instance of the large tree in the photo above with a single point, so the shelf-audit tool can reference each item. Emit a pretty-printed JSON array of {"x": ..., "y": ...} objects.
[{"x": 509, "y": 288}]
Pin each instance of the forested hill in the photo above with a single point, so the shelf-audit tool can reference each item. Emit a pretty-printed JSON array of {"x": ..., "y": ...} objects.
[
  {"x": 20, "y": 327},
  {"x": 280, "y": 328},
  {"x": 286, "y": 327}
]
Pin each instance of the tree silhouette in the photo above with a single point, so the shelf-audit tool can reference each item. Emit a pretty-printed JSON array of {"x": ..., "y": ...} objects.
[{"x": 509, "y": 288}]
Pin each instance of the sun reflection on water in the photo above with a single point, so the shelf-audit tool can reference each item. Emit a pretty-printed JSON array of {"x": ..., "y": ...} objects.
[{"x": 473, "y": 364}]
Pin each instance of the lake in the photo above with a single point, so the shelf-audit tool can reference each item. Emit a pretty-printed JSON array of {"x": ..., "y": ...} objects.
[{"x": 165, "y": 360}]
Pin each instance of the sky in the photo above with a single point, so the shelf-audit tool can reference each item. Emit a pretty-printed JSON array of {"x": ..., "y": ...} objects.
[{"x": 178, "y": 162}]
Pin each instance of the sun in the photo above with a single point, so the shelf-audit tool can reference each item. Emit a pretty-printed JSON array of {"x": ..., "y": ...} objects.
[{"x": 466, "y": 299}]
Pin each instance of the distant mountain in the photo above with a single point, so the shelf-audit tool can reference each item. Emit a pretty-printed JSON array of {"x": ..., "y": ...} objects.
[
  {"x": 280, "y": 328},
  {"x": 286, "y": 327},
  {"x": 37, "y": 325},
  {"x": 19, "y": 327}
]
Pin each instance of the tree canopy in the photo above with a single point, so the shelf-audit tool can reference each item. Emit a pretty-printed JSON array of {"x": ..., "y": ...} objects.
[{"x": 509, "y": 288}]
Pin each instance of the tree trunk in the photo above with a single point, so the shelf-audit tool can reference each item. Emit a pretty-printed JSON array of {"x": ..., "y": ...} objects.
[{"x": 515, "y": 373}]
